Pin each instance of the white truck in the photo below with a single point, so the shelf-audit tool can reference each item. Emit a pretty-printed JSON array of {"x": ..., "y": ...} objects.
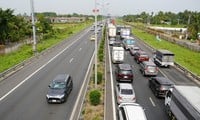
[
  {"x": 112, "y": 31},
  {"x": 117, "y": 54},
  {"x": 125, "y": 32},
  {"x": 183, "y": 103},
  {"x": 164, "y": 58}
]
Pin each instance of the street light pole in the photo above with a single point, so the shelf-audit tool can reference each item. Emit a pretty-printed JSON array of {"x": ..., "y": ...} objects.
[
  {"x": 95, "y": 13},
  {"x": 33, "y": 26}
]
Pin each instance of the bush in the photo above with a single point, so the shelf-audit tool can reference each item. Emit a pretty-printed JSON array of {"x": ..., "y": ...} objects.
[
  {"x": 95, "y": 96},
  {"x": 99, "y": 77},
  {"x": 100, "y": 56}
]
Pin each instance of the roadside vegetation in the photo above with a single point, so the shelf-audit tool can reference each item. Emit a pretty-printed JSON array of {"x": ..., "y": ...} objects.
[
  {"x": 94, "y": 101},
  {"x": 186, "y": 19},
  {"x": 18, "y": 29},
  {"x": 25, "y": 52},
  {"x": 185, "y": 57}
]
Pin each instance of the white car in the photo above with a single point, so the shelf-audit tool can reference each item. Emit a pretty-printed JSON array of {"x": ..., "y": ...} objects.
[
  {"x": 131, "y": 111},
  {"x": 125, "y": 93},
  {"x": 92, "y": 38}
]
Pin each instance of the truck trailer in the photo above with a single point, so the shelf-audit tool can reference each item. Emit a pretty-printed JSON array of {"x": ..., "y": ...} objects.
[
  {"x": 118, "y": 55},
  {"x": 112, "y": 31},
  {"x": 164, "y": 58},
  {"x": 183, "y": 103}
]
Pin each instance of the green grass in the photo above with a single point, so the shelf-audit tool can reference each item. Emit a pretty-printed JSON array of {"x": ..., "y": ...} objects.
[
  {"x": 25, "y": 52},
  {"x": 185, "y": 57}
]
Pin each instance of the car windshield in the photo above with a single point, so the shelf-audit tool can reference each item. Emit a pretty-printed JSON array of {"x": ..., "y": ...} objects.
[
  {"x": 127, "y": 91},
  {"x": 151, "y": 68},
  {"x": 166, "y": 87},
  {"x": 144, "y": 55},
  {"x": 57, "y": 85},
  {"x": 126, "y": 72}
]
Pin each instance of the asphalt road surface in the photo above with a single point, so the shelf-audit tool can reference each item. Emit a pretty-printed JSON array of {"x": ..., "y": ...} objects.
[
  {"x": 23, "y": 95},
  {"x": 154, "y": 107}
]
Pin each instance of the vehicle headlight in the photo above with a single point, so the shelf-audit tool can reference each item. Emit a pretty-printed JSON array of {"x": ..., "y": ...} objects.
[
  {"x": 47, "y": 96},
  {"x": 60, "y": 96}
]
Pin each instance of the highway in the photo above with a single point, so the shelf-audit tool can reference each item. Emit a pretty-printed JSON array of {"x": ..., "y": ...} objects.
[
  {"x": 154, "y": 107},
  {"x": 23, "y": 94}
]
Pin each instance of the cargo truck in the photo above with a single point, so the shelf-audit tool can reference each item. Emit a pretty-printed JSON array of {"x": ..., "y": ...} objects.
[
  {"x": 112, "y": 31},
  {"x": 117, "y": 54},
  {"x": 183, "y": 103},
  {"x": 164, "y": 58},
  {"x": 125, "y": 32}
]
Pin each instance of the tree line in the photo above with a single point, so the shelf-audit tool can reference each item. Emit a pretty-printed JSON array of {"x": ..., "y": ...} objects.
[
  {"x": 14, "y": 28},
  {"x": 187, "y": 19}
]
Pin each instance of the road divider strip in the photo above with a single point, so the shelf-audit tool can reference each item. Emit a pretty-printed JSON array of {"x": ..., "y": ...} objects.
[{"x": 82, "y": 92}]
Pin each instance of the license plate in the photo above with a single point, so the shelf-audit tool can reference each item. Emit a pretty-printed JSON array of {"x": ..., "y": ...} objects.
[
  {"x": 125, "y": 77},
  {"x": 53, "y": 100}
]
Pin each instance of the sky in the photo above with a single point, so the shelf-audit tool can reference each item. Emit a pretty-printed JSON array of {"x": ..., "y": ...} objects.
[{"x": 112, "y": 7}]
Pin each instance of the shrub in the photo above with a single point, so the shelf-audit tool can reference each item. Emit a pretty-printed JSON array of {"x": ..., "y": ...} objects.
[
  {"x": 100, "y": 56},
  {"x": 99, "y": 77},
  {"x": 95, "y": 96}
]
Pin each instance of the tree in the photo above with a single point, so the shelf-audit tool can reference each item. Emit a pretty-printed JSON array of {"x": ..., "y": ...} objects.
[{"x": 6, "y": 18}]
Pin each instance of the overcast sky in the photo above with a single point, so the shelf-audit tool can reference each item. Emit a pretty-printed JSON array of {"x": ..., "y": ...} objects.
[{"x": 113, "y": 7}]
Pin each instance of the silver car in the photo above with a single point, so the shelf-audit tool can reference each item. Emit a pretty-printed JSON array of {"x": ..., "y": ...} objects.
[{"x": 125, "y": 93}]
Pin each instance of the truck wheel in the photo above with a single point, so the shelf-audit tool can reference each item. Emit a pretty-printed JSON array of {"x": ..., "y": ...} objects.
[{"x": 156, "y": 93}]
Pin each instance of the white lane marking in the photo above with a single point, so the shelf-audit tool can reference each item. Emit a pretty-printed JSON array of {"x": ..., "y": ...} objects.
[
  {"x": 152, "y": 102},
  {"x": 80, "y": 49},
  {"x": 26, "y": 79},
  {"x": 71, "y": 60},
  {"x": 112, "y": 84},
  {"x": 80, "y": 92}
]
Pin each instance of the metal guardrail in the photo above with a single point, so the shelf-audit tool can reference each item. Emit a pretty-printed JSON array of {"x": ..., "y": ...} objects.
[
  {"x": 187, "y": 72},
  {"x": 19, "y": 66},
  {"x": 190, "y": 74}
]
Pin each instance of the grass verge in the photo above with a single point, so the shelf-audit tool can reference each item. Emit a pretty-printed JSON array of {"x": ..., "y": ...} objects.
[
  {"x": 183, "y": 56},
  {"x": 25, "y": 52}
]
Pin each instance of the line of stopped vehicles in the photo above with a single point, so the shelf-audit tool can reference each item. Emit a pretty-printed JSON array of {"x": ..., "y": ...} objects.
[{"x": 182, "y": 102}]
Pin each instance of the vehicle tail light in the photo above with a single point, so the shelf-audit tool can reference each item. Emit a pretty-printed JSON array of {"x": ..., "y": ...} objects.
[
  {"x": 162, "y": 88},
  {"x": 120, "y": 98},
  {"x": 133, "y": 99},
  {"x": 120, "y": 75},
  {"x": 156, "y": 68}
]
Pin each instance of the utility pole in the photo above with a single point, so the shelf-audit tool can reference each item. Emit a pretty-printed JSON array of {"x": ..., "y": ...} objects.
[
  {"x": 95, "y": 12},
  {"x": 33, "y": 26},
  {"x": 187, "y": 35}
]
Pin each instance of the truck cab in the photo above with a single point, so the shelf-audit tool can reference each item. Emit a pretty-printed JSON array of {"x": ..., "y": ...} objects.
[{"x": 183, "y": 102}]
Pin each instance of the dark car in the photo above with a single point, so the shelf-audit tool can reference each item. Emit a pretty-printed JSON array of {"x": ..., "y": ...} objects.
[
  {"x": 59, "y": 89},
  {"x": 124, "y": 73},
  {"x": 160, "y": 85},
  {"x": 117, "y": 43},
  {"x": 141, "y": 56}
]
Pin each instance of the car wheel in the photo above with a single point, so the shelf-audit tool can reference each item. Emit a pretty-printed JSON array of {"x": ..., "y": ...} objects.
[
  {"x": 143, "y": 73},
  {"x": 149, "y": 85},
  {"x": 156, "y": 93},
  {"x": 137, "y": 61}
]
